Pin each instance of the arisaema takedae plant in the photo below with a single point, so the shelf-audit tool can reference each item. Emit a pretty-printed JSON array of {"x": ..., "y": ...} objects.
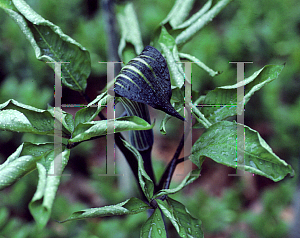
[{"x": 151, "y": 77}]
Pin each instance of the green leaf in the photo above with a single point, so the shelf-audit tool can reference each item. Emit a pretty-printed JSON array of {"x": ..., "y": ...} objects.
[
  {"x": 85, "y": 131},
  {"x": 154, "y": 226},
  {"x": 170, "y": 51},
  {"x": 18, "y": 117},
  {"x": 50, "y": 170},
  {"x": 211, "y": 72},
  {"x": 15, "y": 116},
  {"x": 88, "y": 113},
  {"x": 188, "y": 33},
  {"x": 22, "y": 162},
  {"x": 130, "y": 31},
  {"x": 66, "y": 119},
  {"x": 176, "y": 71},
  {"x": 221, "y": 102},
  {"x": 178, "y": 100},
  {"x": 185, "y": 224},
  {"x": 179, "y": 12},
  {"x": 85, "y": 114},
  {"x": 102, "y": 100},
  {"x": 166, "y": 39},
  {"x": 162, "y": 127},
  {"x": 145, "y": 181},
  {"x": 191, "y": 177},
  {"x": 130, "y": 206},
  {"x": 196, "y": 16},
  {"x": 219, "y": 142},
  {"x": 52, "y": 45},
  {"x": 202, "y": 120}
]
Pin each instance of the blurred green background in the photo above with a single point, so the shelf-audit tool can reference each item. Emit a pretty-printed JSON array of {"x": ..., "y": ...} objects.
[{"x": 263, "y": 32}]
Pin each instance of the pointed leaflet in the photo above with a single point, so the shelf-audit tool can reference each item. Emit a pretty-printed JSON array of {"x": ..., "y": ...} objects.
[
  {"x": 52, "y": 45},
  {"x": 211, "y": 72},
  {"x": 170, "y": 51},
  {"x": 154, "y": 226},
  {"x": 130, "y": 206},
  {"x": 179, "y": 12},
  {"x": 88, "y": 113},
  {"x": 191, "y": 177},
  {"x": 146, "y": 79},
  {"x": 196, "y": 16},
  {"x": 66, "y": 118},
  {"x": 87, "y": 130},
  {"x": 219, "y": 142},
  {"x": 202, "y": 120},
  {"x": 188, "y": 33},
  {"x": 18, "y": 117},
  {"x": 185, "y": 224},
  {"x": 178, "y": 99},
  {"x": 130, "y": 31},
  {"x": 22, "y": 162},
  {"x": 226, "y": 96},
  {"x": 50, "y": 170}
]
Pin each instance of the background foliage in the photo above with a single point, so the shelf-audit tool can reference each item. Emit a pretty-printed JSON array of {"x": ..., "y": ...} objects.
[{"x": 264, "y": 32}]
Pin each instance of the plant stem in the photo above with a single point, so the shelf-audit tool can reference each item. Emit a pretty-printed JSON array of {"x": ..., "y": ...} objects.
[{"x": 167, "y": 175}]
